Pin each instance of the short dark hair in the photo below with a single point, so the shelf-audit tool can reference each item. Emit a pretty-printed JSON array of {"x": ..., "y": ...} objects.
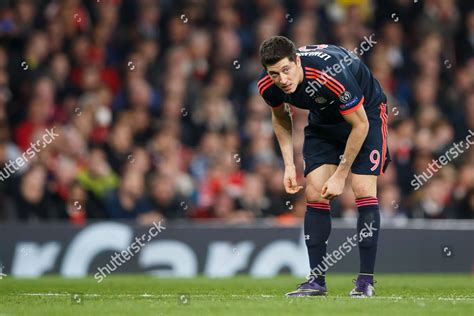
[{"x": 275, "y": 49}]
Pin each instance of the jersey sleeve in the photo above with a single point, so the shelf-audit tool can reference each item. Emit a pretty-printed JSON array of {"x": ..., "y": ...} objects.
[
  {"x": 341, "y": 87},
  {"x": 269, "y": 92}
]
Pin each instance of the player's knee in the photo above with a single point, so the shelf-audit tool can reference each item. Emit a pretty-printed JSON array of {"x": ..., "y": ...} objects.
[
  {"x": 313, "y": 194},
  {"x": 364, "y": 186},
  {"x": 362, "y": 190}
]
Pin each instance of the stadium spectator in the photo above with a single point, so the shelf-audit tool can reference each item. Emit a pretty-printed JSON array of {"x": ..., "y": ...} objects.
[
  {"x": 97, "y": 177},
  {"x": 31, "y": 199},
  {"x": 165, "y": 198},
  {"x": 129, "y": 200}
]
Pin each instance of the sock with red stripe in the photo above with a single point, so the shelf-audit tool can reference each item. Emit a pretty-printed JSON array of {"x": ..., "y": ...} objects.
[
  {"x": 317, "y": 227},
  {"x": 368, "y": 226}
]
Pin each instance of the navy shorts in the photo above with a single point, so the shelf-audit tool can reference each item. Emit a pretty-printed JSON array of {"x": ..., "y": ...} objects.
[{"x": 325, "y": 144}]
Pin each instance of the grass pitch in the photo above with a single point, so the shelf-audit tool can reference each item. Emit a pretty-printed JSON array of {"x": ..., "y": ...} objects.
[{"x": 397, "y": 294}]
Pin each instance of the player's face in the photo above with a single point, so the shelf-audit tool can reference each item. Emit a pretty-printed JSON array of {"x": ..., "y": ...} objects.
[{"x": 285, "y": 74}]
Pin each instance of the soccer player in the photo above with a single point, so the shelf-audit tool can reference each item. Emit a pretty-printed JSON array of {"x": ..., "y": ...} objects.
[{"x": 346, "y": 133}]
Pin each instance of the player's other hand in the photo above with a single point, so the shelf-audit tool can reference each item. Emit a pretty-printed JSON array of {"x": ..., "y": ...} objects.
[
  {"x": 333, "y": 187},
  {"x": 289, "y": 180}
]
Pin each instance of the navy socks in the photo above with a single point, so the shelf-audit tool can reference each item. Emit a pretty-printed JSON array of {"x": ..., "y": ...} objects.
[
  {"x": 368, "y": 226},
  {"x": 317, "y": 227}
]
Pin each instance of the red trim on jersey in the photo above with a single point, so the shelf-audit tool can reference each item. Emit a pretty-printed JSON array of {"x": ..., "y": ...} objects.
[
  {"x": 263, "y": 79},
  {"x": 327, "y": 84},
  {"x": 339, "y": 85},
  {"x": 325, "y": 80},
  {"x": 265, "y": 86},
  {"x": 348, "y": 111},
  {"x": 384, "y": 130},
  {"x": 264, "y": 82},
  {"x": 334, "y": 80}
]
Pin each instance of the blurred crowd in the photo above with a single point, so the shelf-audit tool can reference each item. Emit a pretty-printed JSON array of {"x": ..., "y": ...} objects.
[{"x": 158, "y": 115}]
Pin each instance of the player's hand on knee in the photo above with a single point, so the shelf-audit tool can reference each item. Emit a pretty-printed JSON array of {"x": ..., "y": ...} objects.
[
  {"x": 289, "y": 180},
  {"x": 333, "y": 187}
]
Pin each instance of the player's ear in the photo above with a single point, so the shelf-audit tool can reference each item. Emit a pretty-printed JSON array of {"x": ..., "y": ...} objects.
[{"x": 298, "y": 60}]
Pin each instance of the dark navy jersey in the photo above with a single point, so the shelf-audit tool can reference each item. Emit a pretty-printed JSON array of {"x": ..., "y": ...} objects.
[{"x": 336, "y": 82}]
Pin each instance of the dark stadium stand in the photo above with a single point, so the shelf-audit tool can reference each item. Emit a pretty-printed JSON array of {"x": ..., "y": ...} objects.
[{"x": 156, "y": 112}]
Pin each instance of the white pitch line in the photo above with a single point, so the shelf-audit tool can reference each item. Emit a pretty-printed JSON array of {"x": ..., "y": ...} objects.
[{"x": 393, "y": 298}]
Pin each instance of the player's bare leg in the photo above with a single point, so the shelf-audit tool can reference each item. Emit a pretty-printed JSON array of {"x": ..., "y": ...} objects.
[
  {"x": 317, "y": 226},
  {"x": 368, "y": 225},
  {"x": 315, "y": 181}
]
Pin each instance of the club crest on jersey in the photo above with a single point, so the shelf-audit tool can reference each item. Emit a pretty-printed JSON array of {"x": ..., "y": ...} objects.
[
  {"x": 320, "y": 100},
  {"x": 345, "y": 96}
]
